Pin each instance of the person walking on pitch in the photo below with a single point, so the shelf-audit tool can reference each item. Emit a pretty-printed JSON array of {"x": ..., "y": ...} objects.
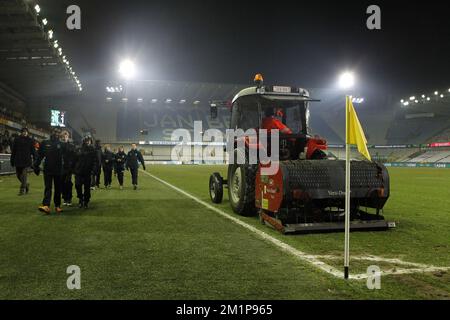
[
  {"x": 119, "y": 165},
  {"x": 134, "y": 156}
]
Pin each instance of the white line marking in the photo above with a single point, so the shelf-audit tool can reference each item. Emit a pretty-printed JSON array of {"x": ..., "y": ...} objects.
[
  {"x": 312, "y": 259},
  {"x": 417, "y": 267},
  {"x": 284, "y": 246}
]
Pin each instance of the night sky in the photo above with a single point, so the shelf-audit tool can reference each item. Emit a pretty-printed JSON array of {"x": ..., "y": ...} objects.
[{"x": 305, "y": 43}]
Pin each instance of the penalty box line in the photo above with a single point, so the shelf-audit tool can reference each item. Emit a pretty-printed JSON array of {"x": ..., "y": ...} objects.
[
  {"x": 281, "y": 245},
  {"x": 312, "y": 259}
]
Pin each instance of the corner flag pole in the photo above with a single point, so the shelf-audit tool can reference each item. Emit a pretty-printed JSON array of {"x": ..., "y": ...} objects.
[{"x": 347, "y": 190}]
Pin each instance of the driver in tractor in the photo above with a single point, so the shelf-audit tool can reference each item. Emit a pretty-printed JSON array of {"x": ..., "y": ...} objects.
[{"x": 271, "y": 121}]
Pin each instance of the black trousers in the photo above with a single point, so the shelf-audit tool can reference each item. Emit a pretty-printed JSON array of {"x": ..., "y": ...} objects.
[
  {"x": 67, "y": 187},
  {"x": 21, "y": 174},
  {"x": 134, "y": 175},
  {"x": 83, "y": 187},
  {"x": 120, "y": 177},
  {"x": 107, "y": 174},
  {"x": 95, "y": 182},
  {"x": 49, "y": 181}
]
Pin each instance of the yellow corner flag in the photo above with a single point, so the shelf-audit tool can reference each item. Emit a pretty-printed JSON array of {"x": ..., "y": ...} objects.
[{"x": 355, "y": 133}]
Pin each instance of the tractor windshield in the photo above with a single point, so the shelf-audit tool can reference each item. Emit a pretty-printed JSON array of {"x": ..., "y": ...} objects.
[{"x": 289, "y": 116}]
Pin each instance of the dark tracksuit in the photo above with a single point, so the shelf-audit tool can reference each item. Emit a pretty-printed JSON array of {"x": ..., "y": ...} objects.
[
  {"x": 108, "y": 165},
  {"x": 119, "y": 164},
  {"x": 52, "y": 151},
  {"x": 133, "y": 159},
  {"x": 85, "y": 162},
  {"x": 21, "y": 158},
  {"x": 67, "y": 185},
  {"x": 98, "y": 167}
]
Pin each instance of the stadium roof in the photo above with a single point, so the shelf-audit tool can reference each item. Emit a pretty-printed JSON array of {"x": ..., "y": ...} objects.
[
  {"x": 171, "y": 92},
  {"x": 31, "y": 59}
]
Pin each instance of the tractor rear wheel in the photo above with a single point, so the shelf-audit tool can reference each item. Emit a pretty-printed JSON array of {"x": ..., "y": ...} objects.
[{"x": 241, "y": 188}]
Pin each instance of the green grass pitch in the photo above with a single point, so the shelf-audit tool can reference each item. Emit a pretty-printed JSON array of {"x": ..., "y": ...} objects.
[{"x": 155, "y": 243}]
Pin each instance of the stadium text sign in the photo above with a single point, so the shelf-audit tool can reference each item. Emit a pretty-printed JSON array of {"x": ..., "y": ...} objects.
[
  {"x": 417, "y": 165},
  {"x": 440, "y": 144}
]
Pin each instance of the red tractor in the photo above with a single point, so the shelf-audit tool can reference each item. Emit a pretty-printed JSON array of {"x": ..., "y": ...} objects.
[{"x": 307, "y": 192}]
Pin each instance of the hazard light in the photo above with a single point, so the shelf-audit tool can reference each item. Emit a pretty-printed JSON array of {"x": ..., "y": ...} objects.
[{"x": 258, "y": 80}]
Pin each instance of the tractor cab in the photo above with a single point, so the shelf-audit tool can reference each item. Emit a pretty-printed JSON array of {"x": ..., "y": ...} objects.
[{"x": 283, "y": 108}]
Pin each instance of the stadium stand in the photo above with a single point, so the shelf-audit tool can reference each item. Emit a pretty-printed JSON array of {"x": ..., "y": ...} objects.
[
  {"x": 443, "y": 136},
  {"x": 414, "y": 131},
  {"x": 420, "y": 123},
  {"x": 430, "y": 156},
  {"x": 444, "y": 160},
  {"x": 377, "y": 154}
]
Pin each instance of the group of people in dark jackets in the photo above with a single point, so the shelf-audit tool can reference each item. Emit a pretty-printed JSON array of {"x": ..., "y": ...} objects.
[{"x": 63, "y": 159}]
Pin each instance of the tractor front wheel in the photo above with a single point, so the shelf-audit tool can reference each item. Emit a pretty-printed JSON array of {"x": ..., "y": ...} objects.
[{"x": 216, "y": 187}]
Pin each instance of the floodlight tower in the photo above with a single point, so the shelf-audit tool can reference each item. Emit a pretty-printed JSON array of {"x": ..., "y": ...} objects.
[
  {"x": 127, "y": 69},
  {"x": 346, "y": 80}
]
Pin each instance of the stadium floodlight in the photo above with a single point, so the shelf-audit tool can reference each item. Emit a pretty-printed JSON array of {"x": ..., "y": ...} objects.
[
  {"x": 44, "y": 21},
  {"x": 428, "y": 99},
  {"x": 37, "y": 8},
  {"x": 55, "y": 44},
  {"x": 50, "y": 34},
  {"x": 355, "y": 100},
  {"x": 412, "y": 98},
  {"x": 196, "y": 102},
  {"x": 423, "y": 96},
  {"x": 416, "y": 101},
  {"x": 441, "y": 95},
  {"x": 140, "y": 99},
  {"x": 406, "y": 103},
  {"x": 448, "y": 90},
  {"x": 154, "y": 100},
  {"x": 346, "y": 80},
  {"x": 127, "y": 69},
  {"x": 168, "y": 100},
  {"x": 182, "y": 101},
  {"x": 124, "y": 99},
  {"x": 436, "y": 93},
  {"x": 401, "y": 101}
]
